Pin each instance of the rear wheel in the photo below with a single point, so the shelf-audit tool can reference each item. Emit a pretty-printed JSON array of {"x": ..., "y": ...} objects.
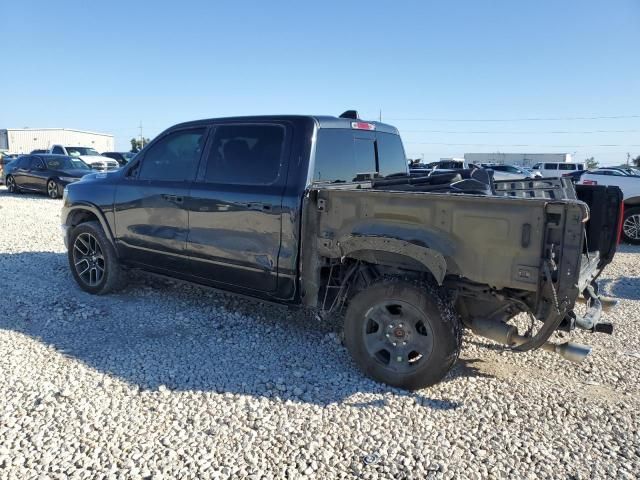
[
  {"x": 631, "y": 225},
  {"x": 11, "y": 185},
  {"x": 53, "y": 190},
  {"x": 93, "y": 260},
  {"x": 402, "y": 333}
]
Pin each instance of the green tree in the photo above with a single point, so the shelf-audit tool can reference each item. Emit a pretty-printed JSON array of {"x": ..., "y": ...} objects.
[
  {"x": 636, "y": 161},
  {"x": 591, "y": 163},
  {"x": 137, "y": 144}
]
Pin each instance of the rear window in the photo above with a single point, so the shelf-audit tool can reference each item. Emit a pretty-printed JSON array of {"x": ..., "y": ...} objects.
[{"x": 352, "y": 155}]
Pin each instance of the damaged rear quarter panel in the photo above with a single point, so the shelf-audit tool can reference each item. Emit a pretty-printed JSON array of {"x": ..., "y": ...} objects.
[{"x": 491, "y": 240}]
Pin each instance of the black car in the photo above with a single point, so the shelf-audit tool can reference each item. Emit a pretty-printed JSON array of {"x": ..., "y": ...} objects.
[
  {"x": 575, "y": 176},
  {"x": 38, "y": 151},
  {"x": 44, "y": 173},
  {"x": 121, "y": 157},
  {"x": 5, "y": 160}
]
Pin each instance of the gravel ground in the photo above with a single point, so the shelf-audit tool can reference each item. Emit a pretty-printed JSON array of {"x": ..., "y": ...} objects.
[{"x": 166, "y": 380}]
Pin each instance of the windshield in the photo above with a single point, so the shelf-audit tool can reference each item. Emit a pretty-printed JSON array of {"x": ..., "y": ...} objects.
[
  {"x": 66, "y": 163},
  {"x": 77, "y": 151}
]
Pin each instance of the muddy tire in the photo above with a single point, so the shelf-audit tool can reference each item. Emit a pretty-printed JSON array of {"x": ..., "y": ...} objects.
[{"x": 402, "y": 333}]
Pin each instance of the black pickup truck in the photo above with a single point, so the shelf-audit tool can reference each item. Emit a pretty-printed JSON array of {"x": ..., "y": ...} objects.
[{"x": 320, "y": 212}]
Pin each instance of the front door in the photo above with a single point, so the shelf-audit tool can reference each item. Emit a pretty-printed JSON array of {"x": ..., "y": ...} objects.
[
  {"x": 151, "y": 219},
  {"x": 235, "y": 208}
]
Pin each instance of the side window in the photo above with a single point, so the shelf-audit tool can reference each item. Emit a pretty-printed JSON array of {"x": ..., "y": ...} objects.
[
  {"x": 391, "y": 156},
  {"x": 567, "y": 166},
  {"x": 245, "y": 154},
  {"x": 174, "y": 157},
  {"x": 550, "y": 166},
  {"x": 57, "y": 150},
  {"x": 580, "y": 167},
  {"x": 24, "y": 162},
  {"x": 36, "y": 163}
]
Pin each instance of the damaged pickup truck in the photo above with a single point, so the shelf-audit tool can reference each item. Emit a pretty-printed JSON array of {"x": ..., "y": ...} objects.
[{"x": 320, "y": 212}]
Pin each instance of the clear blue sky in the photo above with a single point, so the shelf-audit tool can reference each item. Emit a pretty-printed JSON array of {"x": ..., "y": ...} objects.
[{"x": 108, "y": 65}]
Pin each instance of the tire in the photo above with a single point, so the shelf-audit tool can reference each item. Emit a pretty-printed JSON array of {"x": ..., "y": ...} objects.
[
  {"x": 53, "y": 189},
  {"x": 11, "y": 185},
  {"x": 631, "y": 225},
  {"x": 90, "y": 248},
  {"x": 426, "y": 332}
]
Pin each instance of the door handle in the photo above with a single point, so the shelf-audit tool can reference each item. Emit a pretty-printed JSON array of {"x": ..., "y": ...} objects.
[
  {"x": 172, "y": 198},
  {"x": 259, "y": 206}
]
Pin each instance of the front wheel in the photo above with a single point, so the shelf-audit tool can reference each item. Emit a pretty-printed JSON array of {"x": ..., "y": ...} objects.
[
  {"x": 93, "y": 260},
  {"x": 11, "y": 185},
  {"x": 631, "y": 225},
  {"x": 403, "y": 334},
  {"x": 53, "y": 190}
]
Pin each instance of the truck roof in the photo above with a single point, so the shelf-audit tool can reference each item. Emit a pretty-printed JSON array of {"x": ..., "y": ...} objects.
[{"x": 323, "y": 121}]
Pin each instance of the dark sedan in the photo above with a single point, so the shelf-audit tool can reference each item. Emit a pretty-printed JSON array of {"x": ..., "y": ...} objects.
[{"x": 44, "y": 173}]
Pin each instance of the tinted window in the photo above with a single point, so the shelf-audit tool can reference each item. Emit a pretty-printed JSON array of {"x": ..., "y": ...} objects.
[
  {"x": 36, "y": 162},
  {"x": 550, "y": 166},
  {"x": 174, "y": 157},
  {"x": 23, "y": 162},
  {"x": 57, "y": 150},
  {"x": 245, "y": 154},
  {"x": 580, "y": 167},
  {"x": 346, "y": 155},
  {"x": 567, "y": 166},
  {"x": 391, "y": 156}
]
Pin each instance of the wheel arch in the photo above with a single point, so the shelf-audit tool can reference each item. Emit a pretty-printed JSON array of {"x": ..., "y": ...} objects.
[
  {"x": 632, "y": 201},
  {"x": 83, "y": 213},
  {"x": 395, "y": 253}
]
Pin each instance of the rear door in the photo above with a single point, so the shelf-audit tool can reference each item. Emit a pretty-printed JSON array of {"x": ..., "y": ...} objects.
[
  {"x": 235, "y": 214},
  {"x": 151, "y": 218}
]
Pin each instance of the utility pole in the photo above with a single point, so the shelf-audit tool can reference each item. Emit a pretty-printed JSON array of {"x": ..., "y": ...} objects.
[
  {"x": 628, "y": 158},
  {"x": 141, "y": 137},
  {"x": 381, "y": 115}
]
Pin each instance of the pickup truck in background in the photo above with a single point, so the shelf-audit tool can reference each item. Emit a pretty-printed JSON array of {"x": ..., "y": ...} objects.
[
  {"x": 319, "y": 212},
  {"x": 88, "y": 155},
  {"x": 630, "y": 187}
]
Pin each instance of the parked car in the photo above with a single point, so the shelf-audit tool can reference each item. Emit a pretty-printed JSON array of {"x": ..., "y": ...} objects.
[
  {"x": 617, "y": 172},
  {"x": 557, "y": 169},
  {"x": 267, "y": 206},
  {"x": 38, "y": 151},
  {"x": 452, "y": 165},
  {"x": 121, "y": 157},
  {"x": 49, "y": 174},
  {"x": 5, "y": 160},
  {"x": 521, "y": 172},
  {"x": 630, "y": 187},
  {"x": 88, "y": 155}
]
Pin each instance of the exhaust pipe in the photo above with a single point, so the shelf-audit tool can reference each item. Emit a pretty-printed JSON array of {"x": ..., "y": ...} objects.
[{"x": 508, "y": 334}]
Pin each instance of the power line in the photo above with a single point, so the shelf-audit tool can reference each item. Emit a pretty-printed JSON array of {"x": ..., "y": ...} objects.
[
  {"x": 519, "y": 145},
  {"x": 465, "y": 132},
  {"x": 524, "y": 119}
]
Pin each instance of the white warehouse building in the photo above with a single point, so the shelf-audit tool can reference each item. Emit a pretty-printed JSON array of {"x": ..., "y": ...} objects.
[
  {"x": 522, "y": 159},
  {"x": 24, "y": 140}
]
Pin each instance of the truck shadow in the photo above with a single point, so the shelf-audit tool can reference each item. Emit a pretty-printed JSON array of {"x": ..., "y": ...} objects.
[
  {"x": 160, "y": 332},
  {"x": 626, "y": 288}
]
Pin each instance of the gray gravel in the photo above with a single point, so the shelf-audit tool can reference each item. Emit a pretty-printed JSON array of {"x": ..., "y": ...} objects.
[{"x": 167, "y": 380}]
